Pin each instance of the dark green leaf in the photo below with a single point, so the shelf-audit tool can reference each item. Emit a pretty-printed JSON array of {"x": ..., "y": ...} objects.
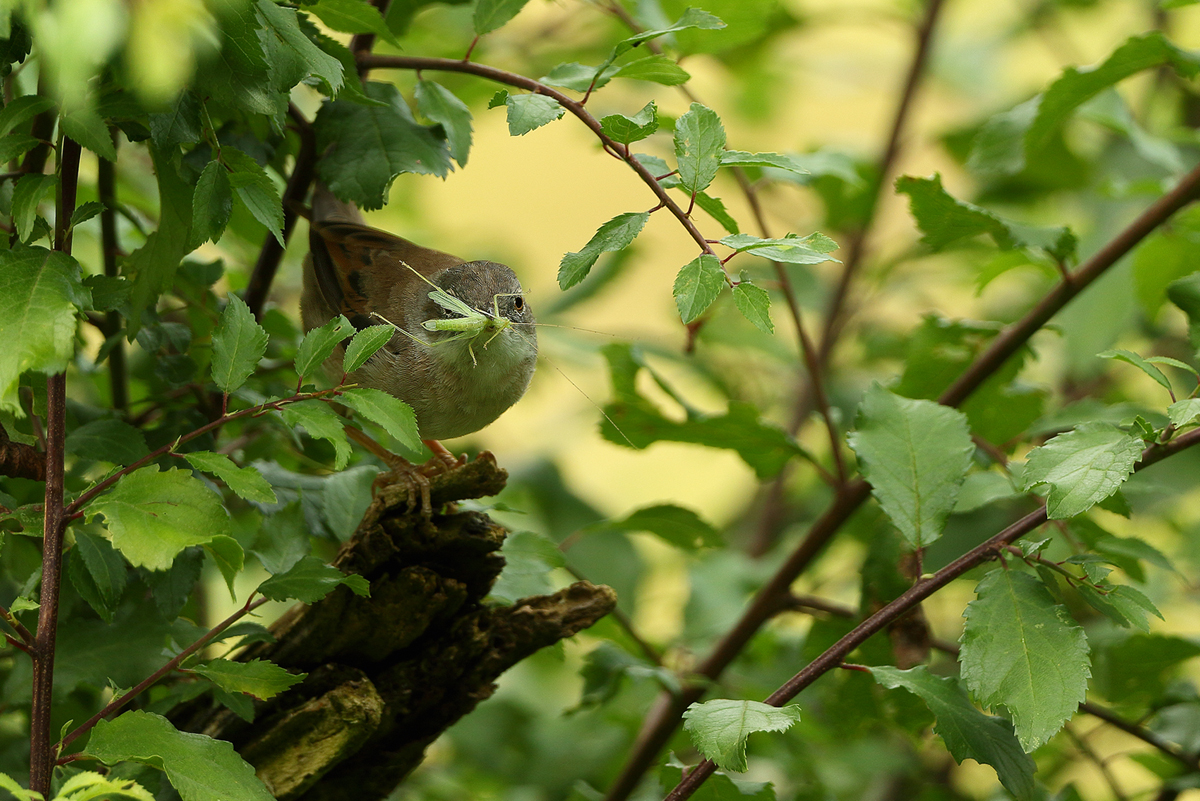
[
  {"x": 85, "y": 212},
  {"x": 255, "y": 188},
  {"x": 320, "y": 422},
  {"x": 1082, "y": 467},
  {"x": 697, "y": 286},
  {"x": 108, "y": 440},
  {"x": 27, "y": 194},
  {"x": 1137, "y": 361},
  {"x": 492, "y": 14},
  {"x": 22, "y": 109},
  {"x": 198, "y": 767},
  {"x": 153, "y": 515},
  {"x": 616, "y": 234},
  {"x": 624, "y": 130},
  {"x": 353, "y": 16},
  {"x": 283, "y": 539},
  {"x": 292, "y": 56},
  {"x": 716, "y": 209},
  {"x": 319, "y": 343},
  {"x": 573, "y": 75},
  {"x": 16, "y": 145},
  {"x": 967, "y": 732},
  {"x": 153, "y": 265},
  {"x": 699, "y": 142},
  {"x": 754, "y": 303},
  {"x": 439, "y": 104},
  {"x": 659, "y": 69},
  {"x": 719, "y": 728},
  {"x": 366, "y": 343},
  {"x": 310, "y": 580},
  {"x": 1122, "y": 604},
  {"x": 179, "y": 126},
  {"x": 528, "y": 111},
  {"x": 1021, "y": 651},
  {"x": 258, "y": 678},
  {"x": 916, "y": 454},
  {"x": 246, "y": 482},
  {"x": 681, "y": 527},
  {"x": 212, "y": 203},
  {"x": 238, "y": 344},
  {"x": 394, "y": 415},
  {"x": 105, "y": 566},
  {"x": 87, "y": 128},
  {"x": 172, "y": 587},
  {"x": 108, "y": 292}
]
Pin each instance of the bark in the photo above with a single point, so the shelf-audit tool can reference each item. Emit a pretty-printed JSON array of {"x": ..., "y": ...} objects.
[{"x": 388, "y": 674}]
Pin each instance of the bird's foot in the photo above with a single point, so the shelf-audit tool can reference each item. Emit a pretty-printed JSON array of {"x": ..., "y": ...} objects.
[{"x": 443, "y": 459}]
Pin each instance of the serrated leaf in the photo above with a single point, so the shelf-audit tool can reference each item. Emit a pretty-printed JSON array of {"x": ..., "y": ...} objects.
[
  {"x": 246, "y": 482},
  {"x": 320, "y": 422},
  {"x": 353, "y": 16},
  {"x": 212, "y": 203},
  {"x": 363, "y": 148},
  {"x": 319, "y": 343},
  {"x": 719, "y": 728},
  {"x": 528, "y": 111},
  {"x": 575, "y": 76},
  {"x": 258, "y": 678},
  {"x": 88, "y": 785},
  {"x": 779, "y": 161},
  {"x": 84, "y": 212},
  {"x": 616, "y": 234},
  {"x": 681, "y": 527},
  {"x": 22, "y": 109},
  {"x": 292, "y": 56},
  {"x": 366, "y": 343},
  {"x": 108, "y": 440},
  {"x": 624, "y": 130},
  {"x": 40, "y": 294},
  {"x": 310, "y": 580},
  {"x": 1129, "y": 357},
  {"x": 967, "y": 732},
  {"x": 1124, "y": 605},
  {"x": 105, "y": 566},
  {"x": 229, "y": 558},
  {"x": 492, "y": 14},
  {"x": 916, "y": 454},
  {"x": 499, "y": 99},
  {"x": 16, "y": 145},
  {"x": 87, "y": 128},
  {"x": 529, "y": 558},
  {"x": 255, "y": 189},
  {"x": 198, "y": 767},
  {"x": 1184, "y": 412},
  {"x": 699, "y": 142},
  {"x": 944, "y": 220},
  {"x": 697, "y": 286},
  {"x": 791, "y": 249},
  {"x": 28, "y": 192},
  {"x": 238, "y": 343},
  {"x": 658, "y": 69},
  {"x": 394, "y": 415},
  {"x": 754, "y": 303},
  {"x": 179, "y": 126},
  {"x": 1082, "y": 467},
  {"x": 152, "y": 515},
  {"x": 1022, "y": 651},
  {"x": 439, "y": 104}
]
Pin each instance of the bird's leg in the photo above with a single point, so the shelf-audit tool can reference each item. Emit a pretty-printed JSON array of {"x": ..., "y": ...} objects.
[
  {"x": 443, "y": 454},
  {"x": 412, "y": 476}
]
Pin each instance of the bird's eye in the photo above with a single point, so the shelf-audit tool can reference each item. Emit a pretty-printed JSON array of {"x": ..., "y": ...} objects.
[{"x": 519, "y": 303}]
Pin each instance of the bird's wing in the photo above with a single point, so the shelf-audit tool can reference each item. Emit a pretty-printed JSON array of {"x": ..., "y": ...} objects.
[{"x": 360, "y": 270}]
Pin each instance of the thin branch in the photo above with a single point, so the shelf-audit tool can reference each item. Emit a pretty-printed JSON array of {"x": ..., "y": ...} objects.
[
  {"x": 1167, "y": 747},
  {"x": 665, "y": 716},
  {"x": 911, "y": 598},
  {"x": 150, "y": 680},
  {"x": 17, "y": 626},
  {"x": 109, "y": 247},
  {"x": 1101, "y": 765},
  {"x": 523, "y": 82},
  {"x": 622, "y": 619}
]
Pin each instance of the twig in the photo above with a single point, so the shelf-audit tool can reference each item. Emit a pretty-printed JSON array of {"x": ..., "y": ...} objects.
[
  {"x": 625, "y": 623},
  {"x": 147, "y": 682},
  {"x": 1191, "y": 761},
  {"x": 1098, "y": 761},
  {"x": 110, "y": 247}
]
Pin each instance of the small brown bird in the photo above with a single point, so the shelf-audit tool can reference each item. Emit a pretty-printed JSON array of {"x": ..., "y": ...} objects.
[{"x": 456, "y": 381}]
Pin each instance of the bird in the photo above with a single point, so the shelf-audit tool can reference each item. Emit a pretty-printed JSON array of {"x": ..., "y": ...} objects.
[{"x": 465, "y": 348}]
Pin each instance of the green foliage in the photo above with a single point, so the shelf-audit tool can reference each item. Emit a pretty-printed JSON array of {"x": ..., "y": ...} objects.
[
  {"x": 393, "y": 414},
  {"x": 697, "y": 286},
  {"x": 1021, "y": 651},
  {"x": 238, "y": 343},
  {"x": 699, "y": 140},
  {"x": 719, "y": 728},
  {"x": 257, "y": 678},
  {"x": 1082, "y": 467},
  {"x": 318, "y": 345},
  {"x": 529, "y": 111},
  {"x": 365, "y": 344},
  {"x": 309, "y": 580},
  {"x": 616, "y": 234}
]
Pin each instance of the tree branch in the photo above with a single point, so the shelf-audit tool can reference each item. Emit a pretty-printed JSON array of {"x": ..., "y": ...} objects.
[{"x": 109, "y": 248}]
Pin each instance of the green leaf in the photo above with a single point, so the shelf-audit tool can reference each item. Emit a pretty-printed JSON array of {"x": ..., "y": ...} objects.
[
  {"x": 229, "y": 558},
  {"x": 292, "y": 56},
  {"x": 1124, "y": 605},
  {"x": 283, "y": 539},
  {"x": 697, "y": 286},
  {"x": 246, "y": 482},
  {"x": 16, "y": 145},
  {"x": 528, "y": 560},
  {"x": 239, "y": 342},
  {"x": 719, "y": 728},
  {"x": 85, "y": 212},
  {"x": 353, "y": 16},
  {"x": 21, "y": 110},
  {"x": 492, "y": 14},
  {"x": 87, "y": 128},
  {"x": 88, "y": 785},
  {"x": 198, "y": 767},
  {"x": 439, "y": 104},
  {"x": 1137, "y": 361},
  {"x": 658, "y": 69},
  {"x": 1082, "y": 467},
  {"x": 363, "y": 148},
  {"x": 310, "y": 580},
  {"x": 108, "y": 440},
  {"x": 499, "y": 99},
  {"x": 319, "y": 343},
  {"x": 255, "y": 188},
  {"x": 212, "y": 203},
  {"x": 258, "y": 678},
  {"x": 719, "y": 786},
  {"x": 1022, "y": 651},
  {"x": 27, "y": 194},
  {"x": 681, "y": 527},
  {"x": 944, "y": 220},
  {"x": 320, "y": 422},
  {"x": 40, "y": 294},
  {"x": 152, "y": 515},
  {"x": 104, "y": 565},
  {"x": 528, "y": 111},
  {"x": 716, "y": 209},
  {"x": 394, "y": 415},
  {"x": 179, "y": 126},
  {"x": 967, "y": 732},
  {"x": 616, "y": 234},
  {"x": 366, "y": 343},
  {"x": 754, "y": 303},
  {"x": 624, "y": 130},
  {"x": 780, "y": 161},
  {"x": 572, "y": 75},
  {"x": 916, "y": 454},
  {"x": 154, "y": 264},
  {"x": 699, "y": 142},
  {"x": 108, "y": 292},
  {"x": 691, "y": 18},
  {"x": 1184, "y": 412},
  {"x": 791, "y": 249}
]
